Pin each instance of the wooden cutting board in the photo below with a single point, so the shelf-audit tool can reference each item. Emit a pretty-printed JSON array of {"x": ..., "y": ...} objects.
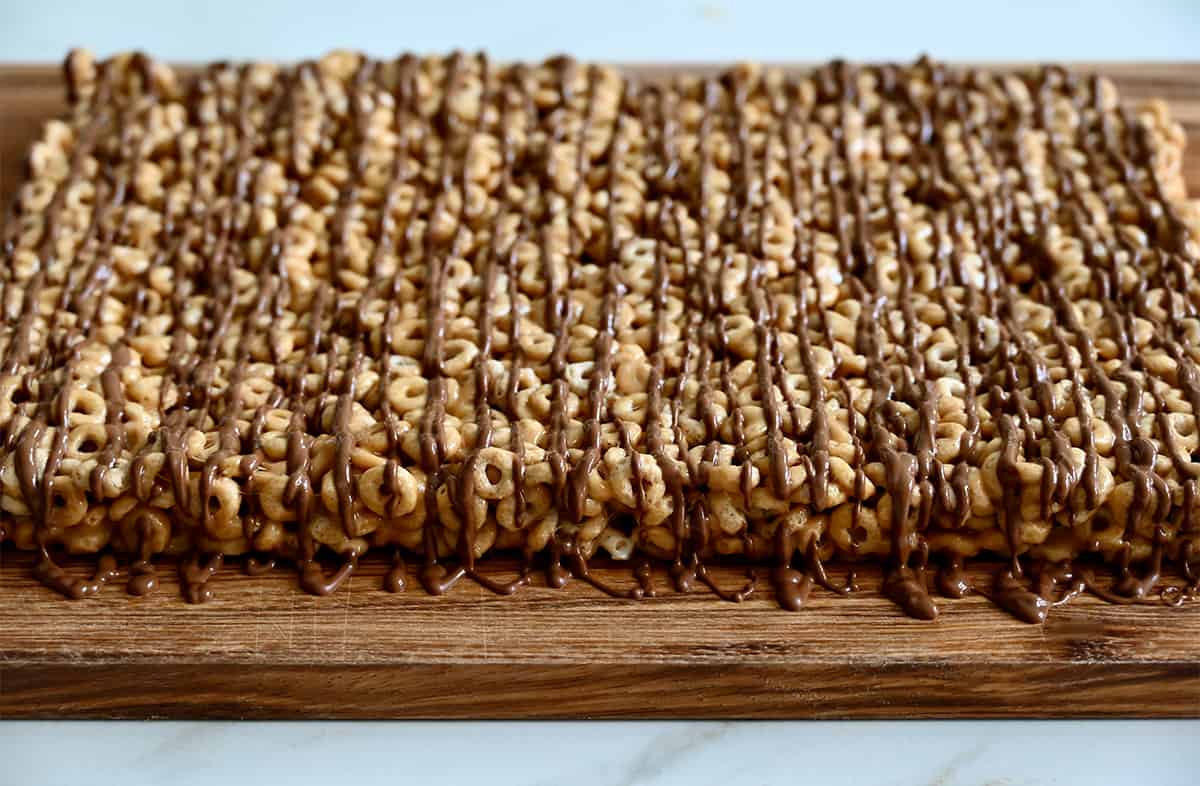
[{"x": 264, "y": 649}]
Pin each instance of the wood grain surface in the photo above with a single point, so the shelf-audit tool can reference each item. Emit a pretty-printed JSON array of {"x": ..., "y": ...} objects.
[{"x": 264, "y": 649}]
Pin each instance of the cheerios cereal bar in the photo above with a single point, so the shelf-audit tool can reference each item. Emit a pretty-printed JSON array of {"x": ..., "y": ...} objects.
[{"x": 445, "y": 307}]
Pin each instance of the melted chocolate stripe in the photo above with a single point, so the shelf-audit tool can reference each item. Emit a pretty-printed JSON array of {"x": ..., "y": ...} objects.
[
  {"x": 483, "y": 389},
  {"x": 433, "y": 448},
  {"x": 61, "y": 349}
]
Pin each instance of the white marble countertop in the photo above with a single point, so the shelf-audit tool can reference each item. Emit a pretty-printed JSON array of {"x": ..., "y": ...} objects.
[
  {"x": 582, "y": 754},
  {"x": 914, "y": 753}
]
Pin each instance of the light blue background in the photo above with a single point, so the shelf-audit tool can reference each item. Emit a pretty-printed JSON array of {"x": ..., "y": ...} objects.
[
  {"x": 611, "y": 30},
  {"x": 583, "y": 754}
]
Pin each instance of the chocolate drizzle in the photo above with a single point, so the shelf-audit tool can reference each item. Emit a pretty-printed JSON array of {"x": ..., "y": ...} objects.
[
  {"x": 57, "y": 579},
  {"x": 904, "y": 313},
  {"x": 195, "y": 571}
]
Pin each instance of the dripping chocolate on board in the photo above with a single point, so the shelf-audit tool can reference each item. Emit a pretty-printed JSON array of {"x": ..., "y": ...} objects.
[{"x": 444, "y": 308}]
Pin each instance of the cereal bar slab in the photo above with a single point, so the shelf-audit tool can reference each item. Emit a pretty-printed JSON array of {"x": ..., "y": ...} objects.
[{"x": 444, "y": 307}]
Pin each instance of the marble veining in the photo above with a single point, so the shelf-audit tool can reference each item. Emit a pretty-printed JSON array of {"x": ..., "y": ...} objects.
[{"x": 829, "y": 753}]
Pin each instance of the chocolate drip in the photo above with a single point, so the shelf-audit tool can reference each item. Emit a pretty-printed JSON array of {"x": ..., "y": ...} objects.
[
  {"x": 195, "y": 571},
  {"x": 57, "y": 579},
  {"x": 314, "y": 581},
  {"x": 952, "y": 580},
  {"x": 396, "y": 579},
  {"x": 255, "y": 566},
  {"x": 1011, "y": 595},
  {"x": 143, "y": 577},
  {"x": 643, "y": 571},
  {"x": 579, "y": 569},
  {"x": 792, "y": 587},
  {"x": 816, "y": 567},
  {"x": 437, "y": 579}
]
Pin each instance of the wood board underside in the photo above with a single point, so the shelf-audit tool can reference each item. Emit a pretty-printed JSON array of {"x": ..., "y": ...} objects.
[{"x": 264, "y": 649}]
